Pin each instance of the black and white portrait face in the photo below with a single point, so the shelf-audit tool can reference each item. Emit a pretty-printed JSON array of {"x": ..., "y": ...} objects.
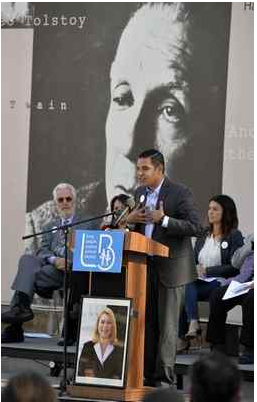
[
  {"x": 133, "y": 78},
  {"x": 148, "y": 103}
]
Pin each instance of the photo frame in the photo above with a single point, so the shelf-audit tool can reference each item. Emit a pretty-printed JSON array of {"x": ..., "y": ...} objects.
[{"x": 102, "y": 345}]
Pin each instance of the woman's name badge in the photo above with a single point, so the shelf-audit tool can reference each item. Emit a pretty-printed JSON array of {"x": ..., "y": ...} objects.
[{"x": 224, "y": 245}]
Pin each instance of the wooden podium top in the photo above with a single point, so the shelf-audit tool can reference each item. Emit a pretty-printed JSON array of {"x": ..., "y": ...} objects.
[{"x": 138, "y": 243}]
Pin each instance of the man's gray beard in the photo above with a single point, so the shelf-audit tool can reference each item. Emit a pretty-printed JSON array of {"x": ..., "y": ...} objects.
[{"x": 63, "y": 215}]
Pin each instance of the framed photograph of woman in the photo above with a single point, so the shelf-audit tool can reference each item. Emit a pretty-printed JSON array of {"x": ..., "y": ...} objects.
[{"x": 103, "y": 342}]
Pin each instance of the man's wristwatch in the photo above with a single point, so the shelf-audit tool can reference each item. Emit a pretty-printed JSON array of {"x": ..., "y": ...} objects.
[{"x": 161, "y": 220}]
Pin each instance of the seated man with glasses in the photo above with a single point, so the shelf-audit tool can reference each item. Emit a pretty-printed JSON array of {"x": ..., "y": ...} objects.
[{"x": 41, "y": 273}]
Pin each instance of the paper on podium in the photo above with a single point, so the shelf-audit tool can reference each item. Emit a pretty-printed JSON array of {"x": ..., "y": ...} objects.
[{"x": 236, "y": 289}]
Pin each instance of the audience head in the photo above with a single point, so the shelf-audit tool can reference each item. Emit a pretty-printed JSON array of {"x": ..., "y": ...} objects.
[
  {"x": 214, "y": 378},
  {"x": 28, "y": 387},
  {"x": 222, "y": 210},
  {"x": 106, "y": 327},
  {"x": 164, "y": 395},
  {"x": 64, "y": 195}
]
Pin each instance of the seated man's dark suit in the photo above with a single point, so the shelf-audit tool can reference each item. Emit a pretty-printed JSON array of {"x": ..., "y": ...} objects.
[{"x": 36, "y": 273}]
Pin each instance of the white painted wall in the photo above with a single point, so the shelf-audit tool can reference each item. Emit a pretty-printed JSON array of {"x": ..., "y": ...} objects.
[
  {"x": 17, "y": 46},
  {"x": 238, "y": 168}
]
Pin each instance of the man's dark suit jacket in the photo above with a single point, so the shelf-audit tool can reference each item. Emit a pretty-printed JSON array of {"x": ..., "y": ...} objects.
[
  {"x": 50, "y": 242},
  {"x": 184, "y": 222},
  {"x": 78, "y": 281}
]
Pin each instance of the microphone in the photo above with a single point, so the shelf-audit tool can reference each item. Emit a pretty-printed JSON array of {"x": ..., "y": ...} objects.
[{"x": 130, "y": 202}]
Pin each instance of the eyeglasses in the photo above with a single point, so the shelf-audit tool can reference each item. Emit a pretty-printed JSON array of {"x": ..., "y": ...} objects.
[{"x": 61, "y": 199}]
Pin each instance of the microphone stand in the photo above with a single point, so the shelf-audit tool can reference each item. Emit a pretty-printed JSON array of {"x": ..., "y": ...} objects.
[
  {"x": 61, "y": 227},
  {"x": 65, "y": 228}
]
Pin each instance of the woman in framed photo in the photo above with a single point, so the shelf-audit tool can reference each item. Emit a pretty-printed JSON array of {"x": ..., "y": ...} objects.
[{"x": 102, "y": 357}]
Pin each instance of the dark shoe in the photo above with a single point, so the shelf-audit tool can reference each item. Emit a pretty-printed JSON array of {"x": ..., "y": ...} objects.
[
  {"x": 246, "y": 358},
  {"x": 164, "y": 377},
  {"x": 12, "y": 334},
  {"x": 219, "y": 347},
  {"x": 148, "y": 382},
  {"x": 70, "y": 342},
  {"x": 17, "y": 315},
  {"x": 163, "y": 384}
]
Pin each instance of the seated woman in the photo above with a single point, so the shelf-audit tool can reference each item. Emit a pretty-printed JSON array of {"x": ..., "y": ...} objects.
[
  {"x": 102, "y": 357},
  {"x": 119, "y": 204},
  {"x": 112, "y": 284},
  {"x": 213, "y": 254}
]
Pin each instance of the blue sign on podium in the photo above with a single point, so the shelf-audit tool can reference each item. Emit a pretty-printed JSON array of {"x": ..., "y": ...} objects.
[{"x": 98, "y": 250}]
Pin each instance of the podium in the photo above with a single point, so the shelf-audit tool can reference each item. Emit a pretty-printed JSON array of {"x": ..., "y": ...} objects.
[{"x": 135, "y": 251}]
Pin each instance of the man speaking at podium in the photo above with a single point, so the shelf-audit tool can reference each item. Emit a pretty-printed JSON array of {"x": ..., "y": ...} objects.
[{"x": 166, "y": 213}]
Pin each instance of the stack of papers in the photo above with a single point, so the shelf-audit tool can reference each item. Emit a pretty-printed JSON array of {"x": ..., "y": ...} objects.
[{"x": 236, "y": 289}]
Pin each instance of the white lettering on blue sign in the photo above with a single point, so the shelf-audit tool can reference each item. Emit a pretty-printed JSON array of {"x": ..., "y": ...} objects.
[{"x": 84, "y": 250}]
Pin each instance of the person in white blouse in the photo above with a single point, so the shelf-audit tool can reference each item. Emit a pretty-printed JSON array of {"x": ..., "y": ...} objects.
[
  {"x": 102, "y": 357},
  {"x": 213, "y": 253}
]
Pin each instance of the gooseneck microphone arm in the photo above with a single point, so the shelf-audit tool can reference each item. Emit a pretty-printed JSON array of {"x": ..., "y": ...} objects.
[
  {"x": 121, "y": 216},
  {"x": 62, "y": 227}
]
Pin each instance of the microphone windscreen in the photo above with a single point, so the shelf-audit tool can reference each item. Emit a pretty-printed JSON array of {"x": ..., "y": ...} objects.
[{"x": 131, "y": 203}]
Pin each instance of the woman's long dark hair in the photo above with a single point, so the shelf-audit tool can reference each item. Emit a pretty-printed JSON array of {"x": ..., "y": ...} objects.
[
  {"x": 121, "y": 197},
  {"x": 229, "y": 220}
]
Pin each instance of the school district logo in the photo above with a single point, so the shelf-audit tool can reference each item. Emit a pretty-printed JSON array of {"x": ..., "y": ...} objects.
[
  {"x": 98, "y": 251},
  {"x": 106, "y": 252}
]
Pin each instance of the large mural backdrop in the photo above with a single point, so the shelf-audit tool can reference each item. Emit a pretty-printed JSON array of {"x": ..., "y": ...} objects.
[{"x": 112, "y": 79}]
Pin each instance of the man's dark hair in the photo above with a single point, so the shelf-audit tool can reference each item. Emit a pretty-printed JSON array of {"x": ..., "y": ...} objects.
[
  {"x": 214, "y": 377},
  {"x": 155, "y": 156},
  {"x": 229, "y": 220}
]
